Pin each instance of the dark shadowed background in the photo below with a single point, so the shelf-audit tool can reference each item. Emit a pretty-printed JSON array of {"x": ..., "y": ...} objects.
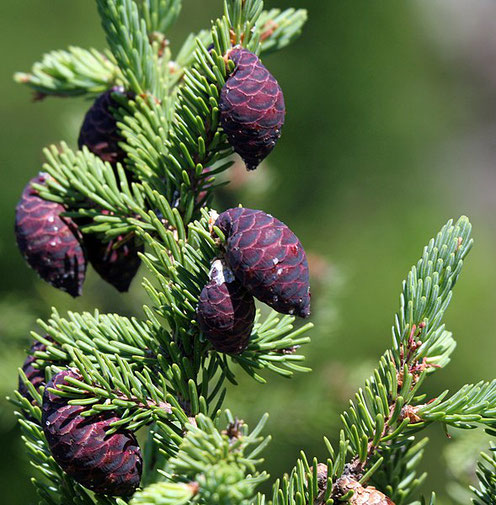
[{"x": 391, "y": 130}]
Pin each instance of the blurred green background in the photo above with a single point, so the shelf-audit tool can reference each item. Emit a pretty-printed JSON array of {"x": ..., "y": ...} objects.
[{"x": 391, "y": 130}]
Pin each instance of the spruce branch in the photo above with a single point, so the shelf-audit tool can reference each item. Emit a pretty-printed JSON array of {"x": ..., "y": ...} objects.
[
  {"x": 159, "y": 15},
  {"x": 196, "y": 142},
  {"x": 427, "y": 292},
  {"x": 398, "y": 475},
  {"x": 485, "y": 493},
  {"x": 117, "y": 358},
  {"x": 215, "y": 463},
  {"x": 279, "y": 28},
  {"x": 421, "y": 345},
  {"x": 380, "y": 422},
  {"x": 93, "y": 190},
  {"x": 221, "y": 462},
  {"x": 180, "y": 153},
  {"x": 82, "y": 180},
  {"x": 159, "y": 372},
  {"x": 73, "y": 72},
  {"x": 144, "y": 124},
  {"x": 125, "y": 337},
  {"x": 473, "y": 404},
  {"x": 127, "y": 37}
]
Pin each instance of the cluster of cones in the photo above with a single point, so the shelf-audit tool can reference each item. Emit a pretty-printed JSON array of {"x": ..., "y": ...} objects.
[
  {"x": 53, "y": 244},
  {"x": 261, "y": 258}
]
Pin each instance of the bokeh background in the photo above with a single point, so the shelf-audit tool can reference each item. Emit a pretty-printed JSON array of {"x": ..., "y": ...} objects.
[{"x": 391, "y": 130}]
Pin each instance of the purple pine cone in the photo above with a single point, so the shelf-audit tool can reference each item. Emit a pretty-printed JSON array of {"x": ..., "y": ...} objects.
[
  {"x": 50, "y": 243},
  {"x": 35, "y": 375},
  {"x": 268, "y": 259},
  {"x": 118, "y": 266},
  {"x": 252, "y": 108},
  {"x": 226, "y": 311},
  {"x": 106, "y": 464},
  {"x": 99, "y": 132}
]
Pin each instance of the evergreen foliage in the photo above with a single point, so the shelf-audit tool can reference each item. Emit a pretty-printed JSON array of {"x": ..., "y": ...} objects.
[
  {"x": 156, "y": 373},
  {"x": 486, "y": 493},
  {"x": 73, "y": 72}
]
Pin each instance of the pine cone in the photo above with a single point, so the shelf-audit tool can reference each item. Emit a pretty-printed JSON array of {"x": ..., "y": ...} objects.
[
  {"x": 50, "y": 243},
  {"x": 106, "y": 464},
  {"x": 267, "y": 259},
  {"x": 99, "y": 132},
  {"x": 226, "y": 311},
  {"x": 34, "y": 375},
  {"x": 362, "y": 495},
  {"x": 115, "y": 266},
  {"x": 252, "y": 108}
]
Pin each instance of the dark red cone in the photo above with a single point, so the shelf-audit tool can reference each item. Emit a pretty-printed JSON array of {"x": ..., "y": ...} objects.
[
  {"x": 226, "y": 311},
  {"x": 115, "y": 266},
  {"x": 34, "y": 375},
  {"x": 50, "y": 243},
  {"x": 268, "y": 259},
  {"x": 252, "y": 108},
  {"x": 106, "y": 464},
  {"x": 99, "y": 132}
]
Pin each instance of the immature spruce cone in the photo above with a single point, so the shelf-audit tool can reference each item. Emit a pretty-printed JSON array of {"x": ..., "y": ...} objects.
[
  {"x": 267, "y": 258},
  {"x": 50, "y": 243},
  {"x": 252, "y": 108},
  {"x": 106, "y": 464},
  {"x": 34, "y": 375},
  {"x": 115, "y": 266},
  {"x": 99, "y": 132},
  {"x": 226, "y": 311}
]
